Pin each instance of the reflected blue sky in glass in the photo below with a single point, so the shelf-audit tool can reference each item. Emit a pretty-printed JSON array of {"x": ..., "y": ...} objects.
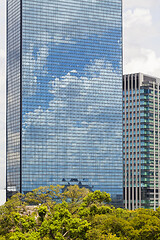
[{"x": 72, "y": 86}]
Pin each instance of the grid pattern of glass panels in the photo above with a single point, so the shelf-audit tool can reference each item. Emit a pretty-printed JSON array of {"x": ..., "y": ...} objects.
[
  {"x": 13, "y": 96},
  {"x": 141, "y": 143},
  {"x": 150, "y": 146},
  {"x": 72, "y": 94}
]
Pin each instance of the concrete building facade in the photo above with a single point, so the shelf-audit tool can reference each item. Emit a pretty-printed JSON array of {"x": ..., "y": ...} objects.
[{"x": 141, "y": 141}]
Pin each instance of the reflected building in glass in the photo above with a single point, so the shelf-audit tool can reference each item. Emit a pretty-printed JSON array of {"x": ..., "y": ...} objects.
[{"x": 64, "y": 94}]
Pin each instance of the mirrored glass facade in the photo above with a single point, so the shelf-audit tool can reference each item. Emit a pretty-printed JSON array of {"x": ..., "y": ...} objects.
[
  {"x": 71, "y": 89},
  {"x": 13, "y": 95}
]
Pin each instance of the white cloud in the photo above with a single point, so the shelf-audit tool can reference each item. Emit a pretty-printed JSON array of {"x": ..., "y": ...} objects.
[
  {"x": 136, "y": 17},
  {"x": 2, "y": 197},
  {"x": 141, "y": 3},
  {"x": 146, "y": 61},
  {"x": 141, "y": 37},
  {"x": 2, "y": 53},
  {"x": 72, "y": 113}
]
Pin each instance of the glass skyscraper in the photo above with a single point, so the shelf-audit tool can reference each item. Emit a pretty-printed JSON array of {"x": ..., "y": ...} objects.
[
  {"x": 141, "y": 138},
  {"x": 64, "y": 94}
]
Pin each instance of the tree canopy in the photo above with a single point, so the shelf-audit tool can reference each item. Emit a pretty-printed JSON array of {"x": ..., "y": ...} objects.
[{"x": 75, "y": 214}]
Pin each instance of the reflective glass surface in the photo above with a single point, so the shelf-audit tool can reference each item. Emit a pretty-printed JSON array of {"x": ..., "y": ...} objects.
[
  {"x": 13, "y": 96},
  {"x": 72, "y": 94}
]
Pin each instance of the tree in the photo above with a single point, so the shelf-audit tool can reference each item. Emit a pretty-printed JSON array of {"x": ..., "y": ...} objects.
[
  {"x": 44, "y": 195},
  {"x": 83, "y": 216},
  {"x": 42, "y": 210},
  {"x": 96, "y": 197},
  {"x": 75, "y": 194}
]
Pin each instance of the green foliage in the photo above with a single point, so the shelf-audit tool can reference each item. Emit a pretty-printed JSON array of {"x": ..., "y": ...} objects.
[
  {"x": 85, "y": 216},
  {"x": 42, "y": 210},
  {"x": 43, "y": 195},
  {"x": 96, "y": 197},
  {"x": 2, "y": 238},
  {"x": 75, "y": 194}
]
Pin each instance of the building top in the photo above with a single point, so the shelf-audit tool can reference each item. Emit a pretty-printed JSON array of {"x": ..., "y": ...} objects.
[{"x": 140, "y": 79}]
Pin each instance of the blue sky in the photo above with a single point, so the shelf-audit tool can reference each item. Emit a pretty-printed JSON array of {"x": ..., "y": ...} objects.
[{"x": 141, "y": 51}]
